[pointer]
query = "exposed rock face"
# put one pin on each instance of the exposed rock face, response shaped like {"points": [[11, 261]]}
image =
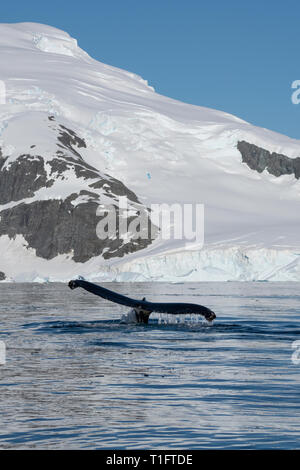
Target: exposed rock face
{"points": [[2, 276], [276, 164], [22, 178], [54, 225]]}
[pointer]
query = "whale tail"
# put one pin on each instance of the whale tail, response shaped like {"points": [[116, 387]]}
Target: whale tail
{"points": [[143, 308]]}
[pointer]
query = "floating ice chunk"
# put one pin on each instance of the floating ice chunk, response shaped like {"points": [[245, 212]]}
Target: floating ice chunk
{"points": [[41, 280]]}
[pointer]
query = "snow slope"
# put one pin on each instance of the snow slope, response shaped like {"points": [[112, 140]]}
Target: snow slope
{"points": [[163, 150]]}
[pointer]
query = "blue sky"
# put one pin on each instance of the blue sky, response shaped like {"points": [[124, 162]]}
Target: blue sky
{"points": [[237, 56]]}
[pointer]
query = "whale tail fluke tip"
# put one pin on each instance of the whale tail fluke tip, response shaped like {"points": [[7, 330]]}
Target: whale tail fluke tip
{"points": [[73, 284], [211, 316]]}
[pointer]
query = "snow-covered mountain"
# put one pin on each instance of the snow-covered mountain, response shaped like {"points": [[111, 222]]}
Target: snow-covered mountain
{"points": [[75, 133]]}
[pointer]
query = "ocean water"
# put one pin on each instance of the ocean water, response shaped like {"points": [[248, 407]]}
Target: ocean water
{"points": [[75, 377]]}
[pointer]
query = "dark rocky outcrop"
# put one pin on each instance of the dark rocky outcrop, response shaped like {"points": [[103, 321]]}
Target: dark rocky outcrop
{"points": [[276, 164], [21, 178], [2, 276], [54, 226], [68, 140]]}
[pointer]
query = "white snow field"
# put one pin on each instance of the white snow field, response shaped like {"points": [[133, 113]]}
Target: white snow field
{"points": [[163, 150]]}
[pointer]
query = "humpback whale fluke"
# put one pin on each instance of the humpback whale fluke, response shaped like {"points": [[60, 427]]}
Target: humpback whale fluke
{"points": [[143, 308]]}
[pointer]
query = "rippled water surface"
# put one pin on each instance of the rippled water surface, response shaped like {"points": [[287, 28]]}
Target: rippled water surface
{"points": [[76, 377]]}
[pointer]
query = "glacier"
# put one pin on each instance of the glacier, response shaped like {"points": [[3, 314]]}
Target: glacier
{"points": [[130, 131]]}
